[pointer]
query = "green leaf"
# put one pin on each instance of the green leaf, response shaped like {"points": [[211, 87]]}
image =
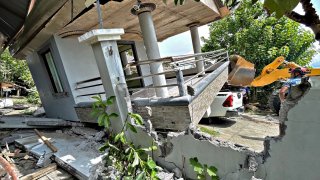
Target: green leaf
{"points": [[141, 176], [96, 98], [280, 7], [113, 147], [197, 167], [104, 147], [118, 136], [131, 127], [254, 1], [128, 178], [110, 100], [154, 174], [123, 139], [101, 119], [153, 148], [137, 118], [212, 171], [106, 121], [130, 156], [113, 115], [136, 159], [201, 176], [151, 164]]}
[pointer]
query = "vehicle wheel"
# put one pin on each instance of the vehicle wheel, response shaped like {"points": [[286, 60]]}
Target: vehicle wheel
{"points": [[274, 103]]}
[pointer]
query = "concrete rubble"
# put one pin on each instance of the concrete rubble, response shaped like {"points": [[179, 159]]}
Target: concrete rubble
{"points": [[78, 154]]}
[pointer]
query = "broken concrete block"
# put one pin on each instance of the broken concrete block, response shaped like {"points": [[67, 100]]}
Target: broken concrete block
{"points": [[177, 172], [5, 111], [59, 131], [9, 139], [20, 107], [165, 176], [39, 112], [5, 103], [99, 136], [148, 125], [166, 148], [44, 160]]}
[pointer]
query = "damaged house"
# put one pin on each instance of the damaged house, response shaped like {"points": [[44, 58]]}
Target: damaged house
{"points": [[78, 49]]}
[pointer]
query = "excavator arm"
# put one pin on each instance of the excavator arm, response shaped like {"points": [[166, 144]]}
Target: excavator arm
{"points": [[241, 73]]}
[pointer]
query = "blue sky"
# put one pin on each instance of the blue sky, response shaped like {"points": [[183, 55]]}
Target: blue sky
{"points": [[181, 43]]}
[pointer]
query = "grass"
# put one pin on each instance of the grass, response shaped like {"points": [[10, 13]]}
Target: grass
{"points": [[20, 100], [209, 131], [28, 112]]}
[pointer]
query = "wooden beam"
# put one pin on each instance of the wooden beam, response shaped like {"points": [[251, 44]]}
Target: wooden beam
{"points": [[46, 141], [40, 172]]}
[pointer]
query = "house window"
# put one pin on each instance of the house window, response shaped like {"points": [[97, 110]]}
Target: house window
{"points": [[52, 70]]}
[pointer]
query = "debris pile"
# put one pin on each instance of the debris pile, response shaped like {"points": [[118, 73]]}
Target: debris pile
{"points": [[32, 154]]}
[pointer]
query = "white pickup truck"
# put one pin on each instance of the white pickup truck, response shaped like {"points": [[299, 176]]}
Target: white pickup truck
{"points": [[227, 103]]}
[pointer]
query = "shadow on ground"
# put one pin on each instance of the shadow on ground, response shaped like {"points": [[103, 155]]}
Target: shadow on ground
{"points": [[218, 122]]}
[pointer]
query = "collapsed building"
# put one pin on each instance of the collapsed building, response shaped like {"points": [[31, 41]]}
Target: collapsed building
{"points": [[71, 58]]}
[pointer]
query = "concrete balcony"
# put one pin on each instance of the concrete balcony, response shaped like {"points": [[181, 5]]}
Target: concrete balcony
{"points": [[190, 92]]}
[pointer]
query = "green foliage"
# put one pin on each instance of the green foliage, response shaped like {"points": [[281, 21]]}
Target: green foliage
{"points": [[33, 97], [251, 33], [203, 170], [131, 161], [280, 7], [13, 70]]}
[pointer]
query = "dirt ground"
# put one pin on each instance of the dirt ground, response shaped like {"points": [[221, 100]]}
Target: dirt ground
{"points": [[247, 130]]}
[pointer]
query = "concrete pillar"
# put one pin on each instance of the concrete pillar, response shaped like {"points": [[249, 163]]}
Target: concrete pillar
{"points": [[151, 44], [105, 48], [196, 45], [142, 56], [127, 69]]}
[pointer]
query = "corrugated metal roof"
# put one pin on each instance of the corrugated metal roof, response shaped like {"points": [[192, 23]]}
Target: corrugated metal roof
{"points": [[12, 17]]}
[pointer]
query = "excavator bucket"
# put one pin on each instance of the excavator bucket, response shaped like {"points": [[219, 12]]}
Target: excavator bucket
{"points": [[242, 72]]}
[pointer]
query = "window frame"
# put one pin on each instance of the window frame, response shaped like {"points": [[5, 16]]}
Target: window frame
{"points": [[58, 92]]}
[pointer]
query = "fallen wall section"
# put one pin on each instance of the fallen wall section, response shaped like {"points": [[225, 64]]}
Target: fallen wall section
{"points": [[296, 154]]}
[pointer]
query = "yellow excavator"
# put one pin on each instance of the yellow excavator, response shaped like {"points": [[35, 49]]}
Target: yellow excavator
{"points": [[242, 73]]}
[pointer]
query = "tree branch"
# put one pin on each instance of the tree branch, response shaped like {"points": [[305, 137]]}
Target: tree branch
{"points": [[296, 17], [310, 19]]}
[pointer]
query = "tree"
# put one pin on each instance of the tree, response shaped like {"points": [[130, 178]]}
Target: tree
{"points": [[284, 7], [13, 70], [251, 33]]}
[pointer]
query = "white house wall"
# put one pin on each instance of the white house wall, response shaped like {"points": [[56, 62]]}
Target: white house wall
{"points": [[296, 155], [79, 64], [55, 107]]}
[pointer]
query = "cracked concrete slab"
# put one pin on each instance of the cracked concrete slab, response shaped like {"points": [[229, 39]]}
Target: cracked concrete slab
{"points": [[76, 154]]}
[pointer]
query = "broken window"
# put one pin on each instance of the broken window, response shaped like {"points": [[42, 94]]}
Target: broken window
{"points": [[52, 70]]}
